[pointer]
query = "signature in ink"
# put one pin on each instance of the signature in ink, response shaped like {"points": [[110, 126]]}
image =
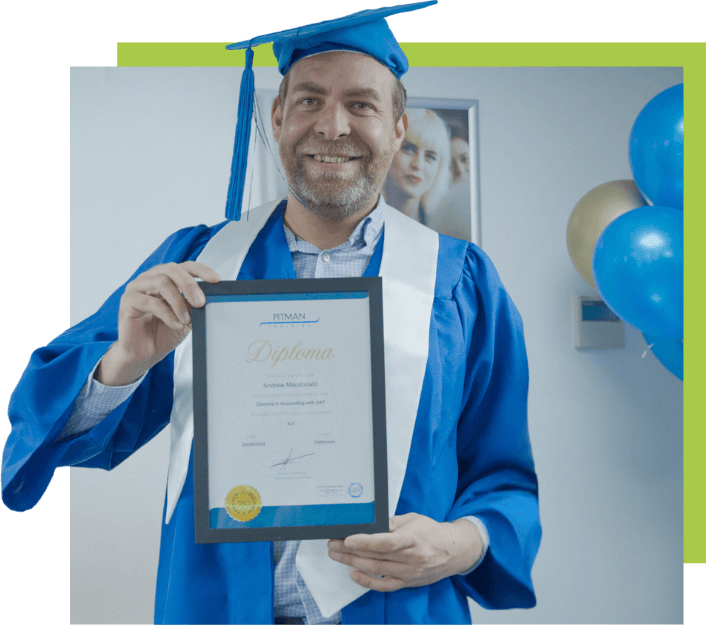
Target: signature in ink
{"points": [[283, 465]]}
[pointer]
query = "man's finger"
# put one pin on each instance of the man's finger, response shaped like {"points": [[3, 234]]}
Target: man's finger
{"points": [[397, 522], [159, 286], [372, 566], [199, 270], [381, 584], [339, 547], [379, 543], [184, 280], [148, 304]]}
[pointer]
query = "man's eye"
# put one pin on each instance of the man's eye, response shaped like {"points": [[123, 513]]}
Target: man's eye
{"points": [[361, 106], [307, 101]]}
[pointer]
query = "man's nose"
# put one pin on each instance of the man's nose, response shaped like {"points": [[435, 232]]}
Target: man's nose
{"points": [[333, 123]]}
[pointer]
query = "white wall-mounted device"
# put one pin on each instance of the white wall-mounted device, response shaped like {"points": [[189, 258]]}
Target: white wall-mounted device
{"points": [[595, 325]]}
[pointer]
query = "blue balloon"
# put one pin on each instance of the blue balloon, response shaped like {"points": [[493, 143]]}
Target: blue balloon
{"points": [[638, 267], [669, 352], [657, 149]]}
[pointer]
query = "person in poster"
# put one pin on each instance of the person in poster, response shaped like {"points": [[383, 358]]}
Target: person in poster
{"points": [[419, 175], [453, 214]]}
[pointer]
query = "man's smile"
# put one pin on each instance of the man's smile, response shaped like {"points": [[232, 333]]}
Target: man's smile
{"points": [[332, 159]]}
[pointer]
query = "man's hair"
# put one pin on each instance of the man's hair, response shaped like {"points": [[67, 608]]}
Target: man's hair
{"points": [[399, 96]]}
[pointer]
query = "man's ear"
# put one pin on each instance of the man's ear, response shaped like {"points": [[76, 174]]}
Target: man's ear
{"points": [[277, 116], [400, 131]]}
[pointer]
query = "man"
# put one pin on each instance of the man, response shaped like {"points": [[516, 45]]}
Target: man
{"points": [[456, 368]]}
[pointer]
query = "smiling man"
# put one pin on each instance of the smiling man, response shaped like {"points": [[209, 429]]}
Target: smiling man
{"points": [[461, 474], [337, 131]]}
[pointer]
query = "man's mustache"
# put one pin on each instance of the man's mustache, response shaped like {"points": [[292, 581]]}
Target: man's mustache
{"points": [[340, 147]]}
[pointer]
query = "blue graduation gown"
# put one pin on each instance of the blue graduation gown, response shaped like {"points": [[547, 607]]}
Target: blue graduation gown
{"points": [[470, 451]]}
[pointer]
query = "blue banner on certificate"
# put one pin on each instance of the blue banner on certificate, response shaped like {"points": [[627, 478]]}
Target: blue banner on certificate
{"points": [[289, 410]]}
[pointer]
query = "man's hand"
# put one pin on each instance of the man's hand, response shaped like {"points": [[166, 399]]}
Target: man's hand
{"points": [[154, 317], [417, 551]]}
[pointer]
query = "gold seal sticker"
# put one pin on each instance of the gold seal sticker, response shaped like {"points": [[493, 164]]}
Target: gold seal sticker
{"points": [[243, 503]]}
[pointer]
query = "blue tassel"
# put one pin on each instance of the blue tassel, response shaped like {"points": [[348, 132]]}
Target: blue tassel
{"points": [[242, 140]]}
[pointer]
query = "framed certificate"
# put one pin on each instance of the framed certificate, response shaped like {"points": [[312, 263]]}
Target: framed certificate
{"points": [[289, 410]]}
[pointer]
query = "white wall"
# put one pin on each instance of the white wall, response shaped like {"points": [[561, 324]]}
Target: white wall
{"points": [[151, 153]]}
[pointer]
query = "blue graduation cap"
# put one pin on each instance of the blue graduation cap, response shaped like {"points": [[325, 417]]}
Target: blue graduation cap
{"points": [[366, 32]]}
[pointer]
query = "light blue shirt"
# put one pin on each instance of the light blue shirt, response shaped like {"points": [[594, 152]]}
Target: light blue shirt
{"points": [[350, 259]]}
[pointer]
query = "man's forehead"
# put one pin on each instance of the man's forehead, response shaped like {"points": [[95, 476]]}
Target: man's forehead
{"points": [[347, 71]]}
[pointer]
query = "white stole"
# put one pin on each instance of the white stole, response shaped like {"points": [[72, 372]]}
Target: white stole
{"points": [[408, 270]]}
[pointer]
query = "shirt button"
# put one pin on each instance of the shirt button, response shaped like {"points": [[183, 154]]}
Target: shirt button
{"points": [[326, 257]]}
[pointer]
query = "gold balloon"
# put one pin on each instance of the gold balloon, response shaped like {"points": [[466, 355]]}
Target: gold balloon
{"points": [[591, 216]]}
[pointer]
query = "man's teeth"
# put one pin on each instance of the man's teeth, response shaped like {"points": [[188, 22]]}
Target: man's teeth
{"points": [[331, 159]]}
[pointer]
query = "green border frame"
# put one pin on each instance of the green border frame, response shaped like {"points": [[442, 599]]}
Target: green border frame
{"points": [[690, 56]]}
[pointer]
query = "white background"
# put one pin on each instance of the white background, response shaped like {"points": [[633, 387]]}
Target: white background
{"points": [[236, 385]]}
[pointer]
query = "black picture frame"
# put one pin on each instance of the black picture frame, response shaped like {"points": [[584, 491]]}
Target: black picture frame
{"points": [[204, 533]]}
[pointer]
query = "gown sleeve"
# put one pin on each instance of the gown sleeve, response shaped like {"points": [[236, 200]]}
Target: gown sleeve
{"points": [[497, 482], [44, 398]]}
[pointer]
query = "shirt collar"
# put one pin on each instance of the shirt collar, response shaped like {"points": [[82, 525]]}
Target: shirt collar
{"points": [[366, 232]]}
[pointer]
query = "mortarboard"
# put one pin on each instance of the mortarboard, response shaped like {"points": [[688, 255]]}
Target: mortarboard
{"points": [[366, 32]]}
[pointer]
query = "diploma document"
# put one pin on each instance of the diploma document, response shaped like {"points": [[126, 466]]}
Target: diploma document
{"points": [[289, 410]]}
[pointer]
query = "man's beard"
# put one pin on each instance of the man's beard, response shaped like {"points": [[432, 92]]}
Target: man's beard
{"points": [[334, 196]]}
